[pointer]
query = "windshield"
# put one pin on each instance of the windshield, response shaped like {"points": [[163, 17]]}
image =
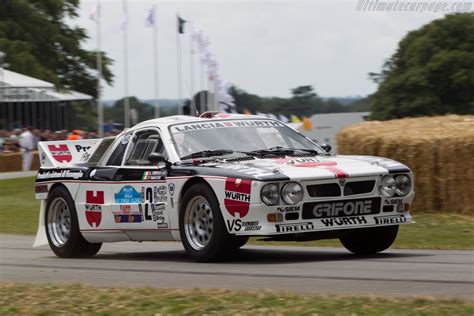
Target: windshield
{"points": [[237, 135]]}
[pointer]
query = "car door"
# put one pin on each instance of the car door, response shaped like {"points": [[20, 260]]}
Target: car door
{"points": [[140, 192]]}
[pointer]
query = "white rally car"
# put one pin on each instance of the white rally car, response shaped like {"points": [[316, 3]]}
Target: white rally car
{"points": [[212, 181]]}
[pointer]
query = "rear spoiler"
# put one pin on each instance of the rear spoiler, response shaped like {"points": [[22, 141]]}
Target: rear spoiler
{"points": [[65, 153]]}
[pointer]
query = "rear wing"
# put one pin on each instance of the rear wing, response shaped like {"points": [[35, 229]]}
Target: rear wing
{"points": [[65, 153]]}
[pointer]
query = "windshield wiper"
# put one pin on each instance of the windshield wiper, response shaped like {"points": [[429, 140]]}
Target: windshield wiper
{"points": [[281, 150], [208, 153]]}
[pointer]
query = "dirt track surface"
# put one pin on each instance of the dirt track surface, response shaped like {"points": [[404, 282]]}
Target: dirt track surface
{"points": [[300, 269]]}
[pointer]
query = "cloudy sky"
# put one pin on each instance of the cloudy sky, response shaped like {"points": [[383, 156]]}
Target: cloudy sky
{"points": [[263, 47]]}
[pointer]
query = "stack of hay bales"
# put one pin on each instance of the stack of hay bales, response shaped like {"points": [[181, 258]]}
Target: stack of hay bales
{"points": [[439, 151], [12, 162]]}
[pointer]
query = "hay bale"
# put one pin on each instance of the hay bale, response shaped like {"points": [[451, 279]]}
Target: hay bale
{"points": [[12, 162], [439, 150]]}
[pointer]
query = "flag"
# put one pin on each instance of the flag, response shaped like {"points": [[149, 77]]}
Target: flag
{"points": [[95, 13], [180, 24], [307, 124], [150, 17], [295, 119], [283, 118]]}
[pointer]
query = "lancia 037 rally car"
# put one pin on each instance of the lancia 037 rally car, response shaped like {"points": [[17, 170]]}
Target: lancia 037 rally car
{"points": [[212, 181]]}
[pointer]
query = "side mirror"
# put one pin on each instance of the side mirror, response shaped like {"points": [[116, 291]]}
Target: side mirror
{"points": [[326, 147], [159, 160]]}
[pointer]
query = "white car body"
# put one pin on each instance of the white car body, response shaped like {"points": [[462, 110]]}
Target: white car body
{"points": [[142, 203]]}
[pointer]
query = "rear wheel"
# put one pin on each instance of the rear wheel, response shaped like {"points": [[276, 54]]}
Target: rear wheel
{"points": [[62, 227], [202, 228], [366, 241]]}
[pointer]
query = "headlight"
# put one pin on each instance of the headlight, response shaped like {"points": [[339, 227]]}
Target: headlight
{"points": [[403, 184], [387, 186], [270, 194], [292, 193]]}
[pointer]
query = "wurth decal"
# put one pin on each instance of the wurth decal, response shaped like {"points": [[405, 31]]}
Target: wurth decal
{"points": [[313, 163], [94, 201], [60, 153], [237, 196]]}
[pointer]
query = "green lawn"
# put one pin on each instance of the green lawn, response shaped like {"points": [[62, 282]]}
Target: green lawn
{"points": [[36, 299], [19, 215]]}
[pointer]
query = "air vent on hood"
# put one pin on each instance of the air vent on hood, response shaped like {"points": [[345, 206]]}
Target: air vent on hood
{"points": [[324, 190], [239, 159]]}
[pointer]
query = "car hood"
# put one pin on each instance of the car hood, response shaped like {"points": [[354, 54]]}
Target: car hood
{"points": [[316, 167]]}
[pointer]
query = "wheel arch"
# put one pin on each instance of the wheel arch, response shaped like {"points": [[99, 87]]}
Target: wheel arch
{"points": [[192, 182]]}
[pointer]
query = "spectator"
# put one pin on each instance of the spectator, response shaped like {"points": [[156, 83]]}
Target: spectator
{"points": [[27, 144], [75, 135]]}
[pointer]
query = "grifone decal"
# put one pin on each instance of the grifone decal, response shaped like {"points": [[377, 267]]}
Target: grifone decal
{"points": [[94, 202], [346, 208], [60, 153], [237, 196]]}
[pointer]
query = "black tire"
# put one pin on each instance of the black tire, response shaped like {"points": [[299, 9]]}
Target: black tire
{"points": [[366, 241], [75, 246], [240, 241], [221, 244]]}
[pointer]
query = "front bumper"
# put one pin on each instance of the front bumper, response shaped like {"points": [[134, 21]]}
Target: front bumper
{"points": [[292, 219]]}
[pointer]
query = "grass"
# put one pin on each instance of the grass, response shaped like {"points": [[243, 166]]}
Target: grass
{"points": [[19, 210], [19, 215], [36, 299]]}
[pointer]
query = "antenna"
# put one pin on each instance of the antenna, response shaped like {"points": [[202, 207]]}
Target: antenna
{"points": [[196, 112]]}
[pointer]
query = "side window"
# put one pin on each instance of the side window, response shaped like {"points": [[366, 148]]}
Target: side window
{"points": [[117, 156], [145, 143]]}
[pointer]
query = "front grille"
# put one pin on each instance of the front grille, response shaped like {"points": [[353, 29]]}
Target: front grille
{"points": [[358, 187], [322, 190]]}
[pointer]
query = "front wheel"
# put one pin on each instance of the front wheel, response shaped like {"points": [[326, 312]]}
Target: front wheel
{"points": [[366, 241], [62, 227], [201, 226]]}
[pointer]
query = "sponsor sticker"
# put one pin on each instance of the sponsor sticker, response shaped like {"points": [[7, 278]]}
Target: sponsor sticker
{"points": [[63, 174], [127, 195], [60, 153], [82, 149], [344, 221], [237, 196], [154, 175], [389, 220], [294, 227], [345, 208], [313, 163], [188, 127], [94, 202], [171, 188], [285, 209], [237, 225]]}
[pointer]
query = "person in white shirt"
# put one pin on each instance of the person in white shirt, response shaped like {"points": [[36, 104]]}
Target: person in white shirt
{"points": [[27, 144]]}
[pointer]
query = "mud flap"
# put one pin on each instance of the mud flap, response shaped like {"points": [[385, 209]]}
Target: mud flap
{"points": [[41, 238]]}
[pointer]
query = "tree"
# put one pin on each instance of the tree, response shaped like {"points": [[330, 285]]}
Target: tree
{"points": [[431, 73], [39, 43]]}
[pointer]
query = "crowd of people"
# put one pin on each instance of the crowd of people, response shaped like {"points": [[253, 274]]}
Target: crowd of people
{"points": [[26, 140]]}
